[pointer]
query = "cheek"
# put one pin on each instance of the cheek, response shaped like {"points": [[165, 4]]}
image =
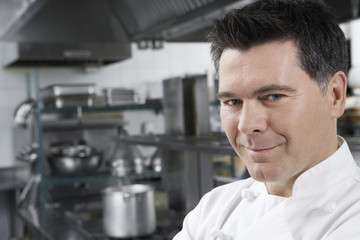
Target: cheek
{"points": [[230, 123], [290, 119]]}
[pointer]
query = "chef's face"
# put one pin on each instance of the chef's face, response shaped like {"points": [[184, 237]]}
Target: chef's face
{"points": [[274, 114]]}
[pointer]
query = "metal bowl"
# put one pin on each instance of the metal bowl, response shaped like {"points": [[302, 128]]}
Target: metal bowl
{"points": [[74, 165]]}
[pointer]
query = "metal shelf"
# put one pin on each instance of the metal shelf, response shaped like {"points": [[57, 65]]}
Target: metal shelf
{"points": [[57, 181], [210, 144], [76, 124], [146, 106]]}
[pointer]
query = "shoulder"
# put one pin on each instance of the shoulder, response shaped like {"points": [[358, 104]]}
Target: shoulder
{"points": [[211, 209]]}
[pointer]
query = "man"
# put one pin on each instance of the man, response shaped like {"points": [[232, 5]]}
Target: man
{"points": [[282, 85]]}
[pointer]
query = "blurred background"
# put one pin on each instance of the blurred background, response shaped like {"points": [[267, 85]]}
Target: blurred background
{"points": [[109, 123]]}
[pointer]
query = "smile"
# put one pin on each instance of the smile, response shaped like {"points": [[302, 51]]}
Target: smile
{"points": [[259, 151]]}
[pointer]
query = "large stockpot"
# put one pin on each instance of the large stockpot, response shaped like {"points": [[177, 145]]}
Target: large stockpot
{"points": [[129, 211]]}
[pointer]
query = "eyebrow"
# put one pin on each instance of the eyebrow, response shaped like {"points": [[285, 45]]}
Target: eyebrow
{"points": [[273, 87], [262, 90]]}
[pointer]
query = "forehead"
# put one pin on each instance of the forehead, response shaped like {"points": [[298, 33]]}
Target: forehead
{"points": [[270, 63]]}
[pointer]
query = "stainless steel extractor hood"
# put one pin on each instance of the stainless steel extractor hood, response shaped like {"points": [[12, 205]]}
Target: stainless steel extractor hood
{"points": [[43, 31], [114, 20], [59, 32], [62, 54]]}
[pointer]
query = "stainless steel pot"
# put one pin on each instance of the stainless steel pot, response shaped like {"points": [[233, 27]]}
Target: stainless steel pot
{"points": [[129, 211]]}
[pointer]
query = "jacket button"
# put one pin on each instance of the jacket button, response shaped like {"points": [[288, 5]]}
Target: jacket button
{"points": [[328, 207], [248, 194]]}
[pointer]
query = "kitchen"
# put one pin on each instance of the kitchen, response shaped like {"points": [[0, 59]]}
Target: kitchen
{"points": [[144, 71]]}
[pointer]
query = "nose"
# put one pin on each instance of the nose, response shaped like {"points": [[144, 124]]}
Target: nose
{"points": [[253, 118]]}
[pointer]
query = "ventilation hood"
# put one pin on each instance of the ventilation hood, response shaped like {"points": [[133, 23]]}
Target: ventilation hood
{"points": [[60, 33], [67, 32], [62, 54], [73, 32]]}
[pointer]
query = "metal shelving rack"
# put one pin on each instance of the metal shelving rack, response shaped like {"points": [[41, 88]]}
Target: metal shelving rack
{"points": [[205, 146], [56, 181]]}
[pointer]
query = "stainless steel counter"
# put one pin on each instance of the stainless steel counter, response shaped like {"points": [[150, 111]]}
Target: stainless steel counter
{"points": [[60, 224], [47, 224], [12, 179]]}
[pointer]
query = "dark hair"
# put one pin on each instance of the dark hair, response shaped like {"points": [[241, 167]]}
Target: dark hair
{"points": [[320, 42]]}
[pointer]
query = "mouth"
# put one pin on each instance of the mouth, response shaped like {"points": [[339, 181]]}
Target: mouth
{"points": [[259, 151]]}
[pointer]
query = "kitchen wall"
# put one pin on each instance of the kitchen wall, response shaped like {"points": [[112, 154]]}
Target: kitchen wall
{"points": [[143, 72]]}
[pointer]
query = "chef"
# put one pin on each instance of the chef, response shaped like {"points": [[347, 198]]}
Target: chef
{"points": [[282, 85]]}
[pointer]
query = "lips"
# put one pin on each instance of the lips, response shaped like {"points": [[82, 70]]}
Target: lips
{"points": [[261, 149], [259, 145], [260, 153]]}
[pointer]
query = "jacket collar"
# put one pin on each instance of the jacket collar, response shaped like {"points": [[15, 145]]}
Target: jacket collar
{"points": [[338, 166]]}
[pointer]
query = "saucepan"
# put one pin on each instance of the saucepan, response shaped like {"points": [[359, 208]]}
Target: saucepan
{"points": [[129, 211]]}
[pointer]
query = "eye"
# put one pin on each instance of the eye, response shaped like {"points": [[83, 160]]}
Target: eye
{"points": [[273, 97], [233, 102]]}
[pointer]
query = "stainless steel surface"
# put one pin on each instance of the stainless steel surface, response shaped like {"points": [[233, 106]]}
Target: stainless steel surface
{"points": [[12, 180], [120, 167], [39, 34], [173, 105], [38, 29], [68, 95], [129, 211], [86, 223], [69, 101], [28, 196], [22, 112], [29, 153], [50, 225], [63, 54], [74, 160], [117, 96], [208, 144], [60, 90], [114, 21], [186, 110], [70, 166], [186, 106]]}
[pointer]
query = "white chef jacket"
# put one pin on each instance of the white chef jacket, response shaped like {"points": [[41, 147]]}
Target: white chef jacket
{"points": [[325, 204]]}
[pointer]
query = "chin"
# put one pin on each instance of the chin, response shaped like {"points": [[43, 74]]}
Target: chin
{"points": [[264, 176]]}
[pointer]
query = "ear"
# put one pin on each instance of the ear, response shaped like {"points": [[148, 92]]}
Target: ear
{"points": [[337, 94]]}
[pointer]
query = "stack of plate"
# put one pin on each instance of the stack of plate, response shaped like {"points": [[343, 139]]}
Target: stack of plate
{"points": [[118, 96], [68, 95]]}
